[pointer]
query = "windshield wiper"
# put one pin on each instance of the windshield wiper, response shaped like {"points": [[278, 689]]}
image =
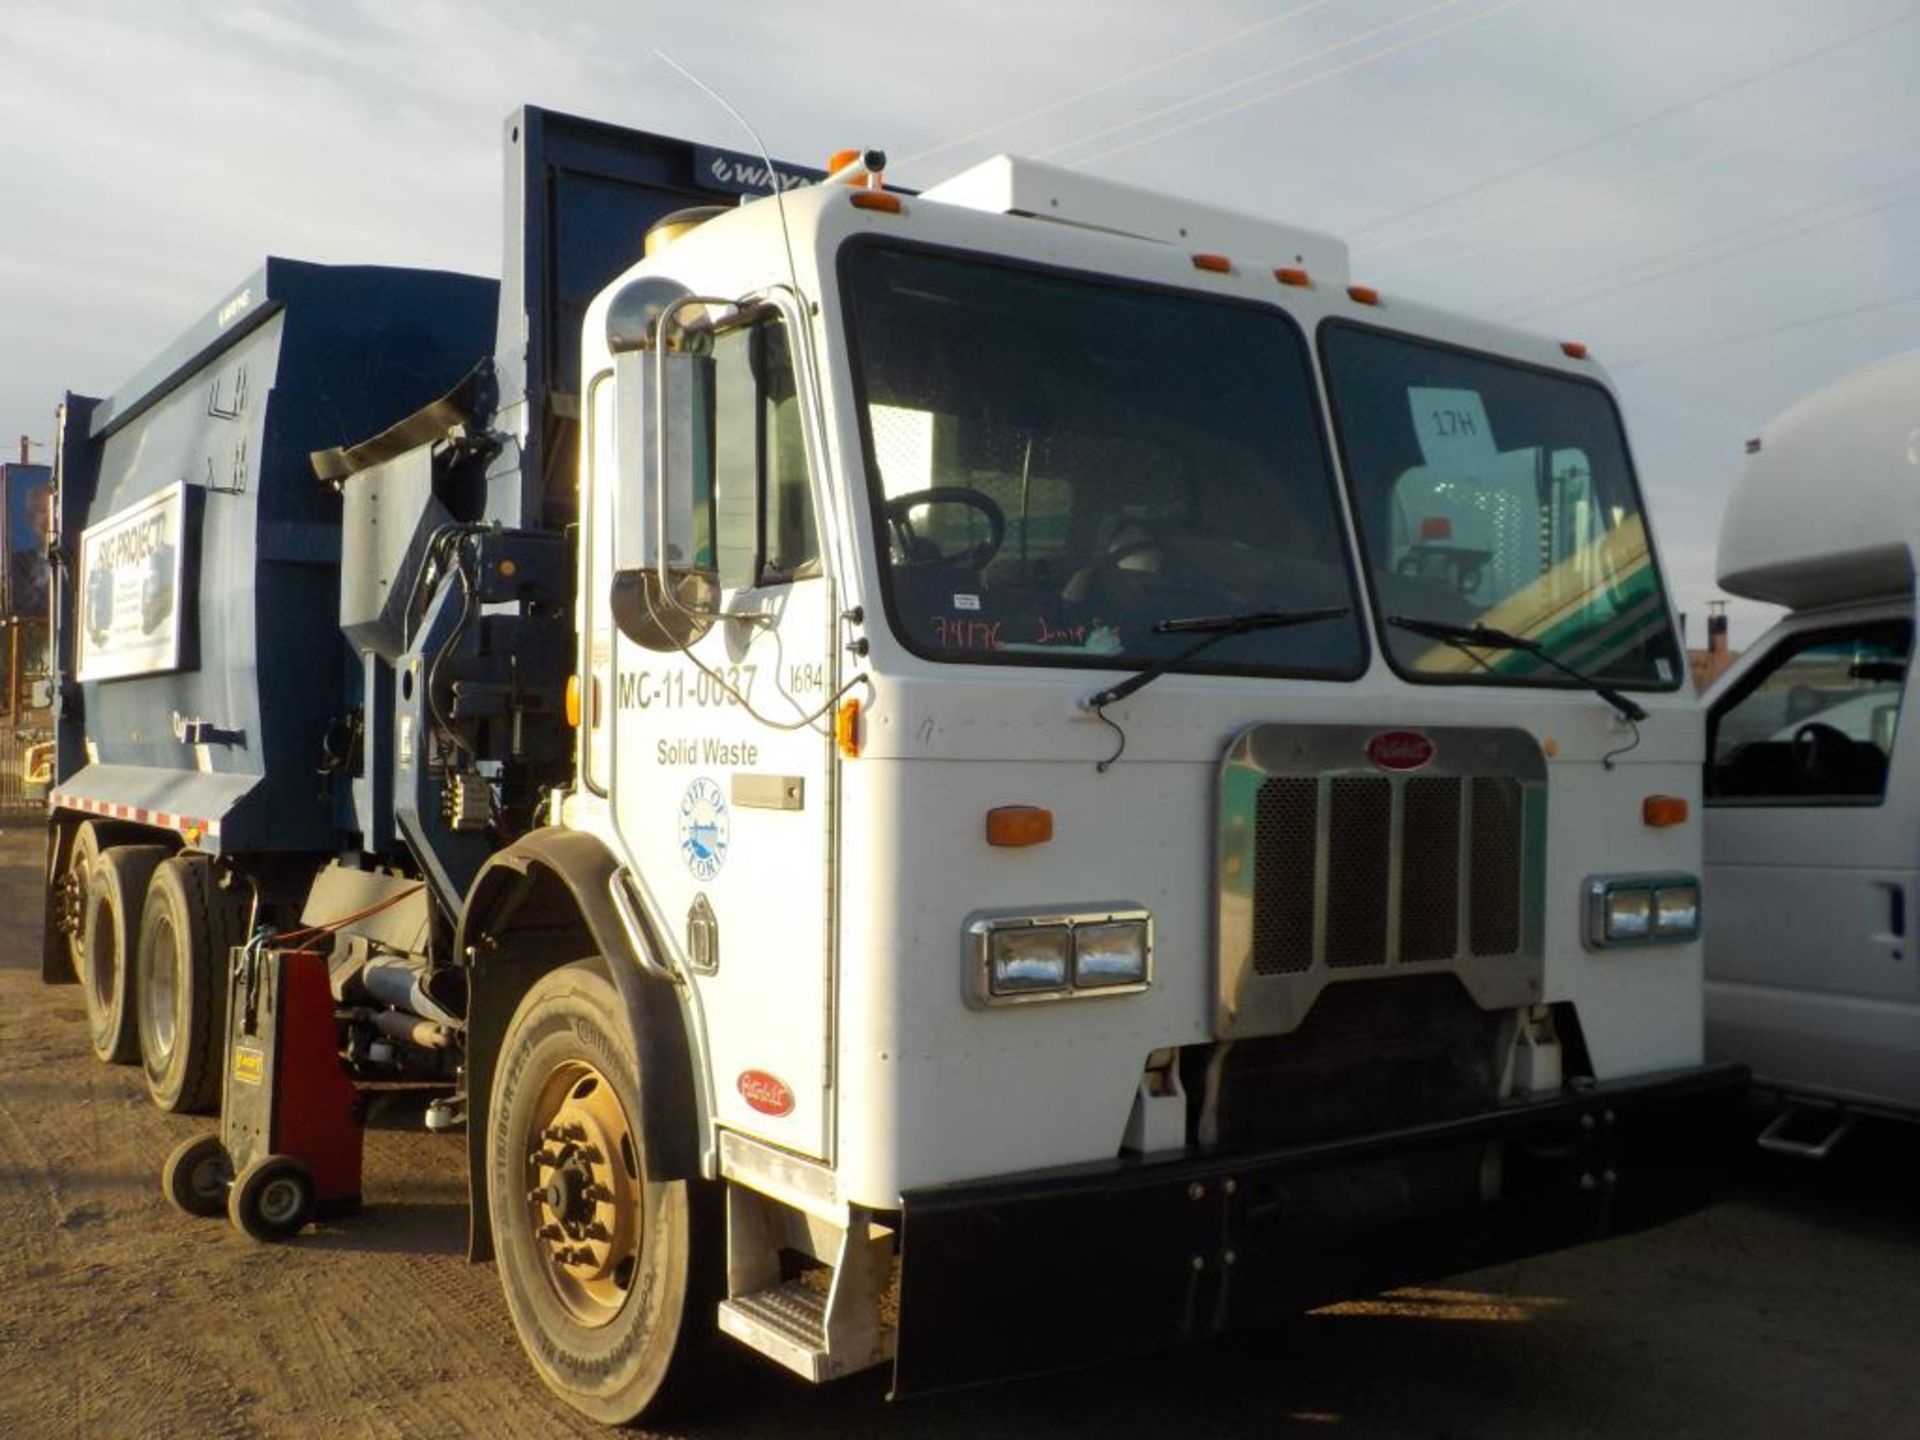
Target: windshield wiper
{"points": [[1461, 637], [1212, 629]]}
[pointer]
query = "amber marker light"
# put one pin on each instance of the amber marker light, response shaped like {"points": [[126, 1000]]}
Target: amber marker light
{"points": [[1661, 811], [1214, 264], [1363, 295], [1573, 349], [1015, 825], [573, 701], [1293, 275], [846, 729], [877, 200]]}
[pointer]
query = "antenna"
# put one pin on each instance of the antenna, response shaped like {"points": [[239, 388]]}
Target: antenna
{"points": [[773, 175]]}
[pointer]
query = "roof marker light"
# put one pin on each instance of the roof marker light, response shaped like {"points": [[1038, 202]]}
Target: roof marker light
{"points": [[1573, 349], [1363, 295], [1292, 275], [1216, 264], [877, 200]]}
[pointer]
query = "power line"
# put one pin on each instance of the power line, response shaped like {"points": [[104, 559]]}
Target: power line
{"points": [[1115, 83], [1876, 199], [1884, 303], [1667, 113], [1253, 79], [1315, 79], [1620, 182]]}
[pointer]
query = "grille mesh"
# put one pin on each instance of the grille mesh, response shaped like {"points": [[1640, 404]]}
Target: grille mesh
{"points": [[1286, 820], [1430, 869], [1436, 876], [1359, 860], [1493, 905]]}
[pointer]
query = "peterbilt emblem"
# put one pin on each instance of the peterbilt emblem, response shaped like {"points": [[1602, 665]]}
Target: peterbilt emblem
{"points": [[766, 1093], [1399, 750]]}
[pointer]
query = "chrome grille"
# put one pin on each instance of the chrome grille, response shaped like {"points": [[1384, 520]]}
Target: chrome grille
{"points": [[1332, 869], [1430, 889], [1359, 858], [1287, 817], [1493, 906]]}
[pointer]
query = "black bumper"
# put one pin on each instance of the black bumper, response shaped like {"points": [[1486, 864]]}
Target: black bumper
{"points": [[1047, 1270]]}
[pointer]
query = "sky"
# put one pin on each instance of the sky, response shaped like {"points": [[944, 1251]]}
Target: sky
{"points": [[1717, 196]]}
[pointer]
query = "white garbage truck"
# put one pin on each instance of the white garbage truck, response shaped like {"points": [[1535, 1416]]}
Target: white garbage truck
{"points": [[974, 780], [1812, 794]]}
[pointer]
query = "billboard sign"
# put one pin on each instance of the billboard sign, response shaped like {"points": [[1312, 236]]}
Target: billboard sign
{"points": [[28, 511], [129, 591]]}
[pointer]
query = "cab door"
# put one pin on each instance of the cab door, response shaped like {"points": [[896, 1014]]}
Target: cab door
{"points": [[1813, 862], [722, 752]]}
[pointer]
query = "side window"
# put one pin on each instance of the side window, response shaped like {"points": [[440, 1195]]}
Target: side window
{"points": [[1817, 724], [764, 531]]}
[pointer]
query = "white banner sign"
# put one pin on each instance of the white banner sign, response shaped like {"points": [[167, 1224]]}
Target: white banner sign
{"points": [[130, 589]]}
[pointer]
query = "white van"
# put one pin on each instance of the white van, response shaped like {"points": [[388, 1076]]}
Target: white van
{"points": [[1812, 795]]}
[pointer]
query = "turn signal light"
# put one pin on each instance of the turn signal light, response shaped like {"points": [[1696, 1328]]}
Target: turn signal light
{"points": [[846, 728], [1660, 811], [1019, 825]]}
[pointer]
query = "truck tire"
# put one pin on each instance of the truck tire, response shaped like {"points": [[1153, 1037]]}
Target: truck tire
{"points": [[187, 926], [71, 884], [116, 889], [611, 1278]]}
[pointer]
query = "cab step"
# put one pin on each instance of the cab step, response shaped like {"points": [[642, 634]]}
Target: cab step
{"points": [[1806, 1132], [786, 1323]]}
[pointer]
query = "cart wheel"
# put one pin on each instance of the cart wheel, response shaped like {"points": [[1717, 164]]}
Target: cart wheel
{"points": [[272, 1198], [196, 1176]]}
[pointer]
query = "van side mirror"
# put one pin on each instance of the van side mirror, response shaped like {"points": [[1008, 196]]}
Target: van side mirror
{"points": [[666, 585]]}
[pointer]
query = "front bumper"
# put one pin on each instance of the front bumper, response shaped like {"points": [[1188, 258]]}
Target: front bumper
{"points": [[1042, 1271]]}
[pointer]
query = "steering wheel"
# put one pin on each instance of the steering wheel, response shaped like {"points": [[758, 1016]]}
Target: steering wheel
{"points": [[1817, 747], [917, 549]]}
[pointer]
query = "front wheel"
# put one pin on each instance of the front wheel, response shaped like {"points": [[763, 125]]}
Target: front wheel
{"points": [[609, 1276]]}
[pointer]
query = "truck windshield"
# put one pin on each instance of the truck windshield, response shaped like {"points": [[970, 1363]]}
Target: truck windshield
{"points": [[1057, 464], [1497, 494]]}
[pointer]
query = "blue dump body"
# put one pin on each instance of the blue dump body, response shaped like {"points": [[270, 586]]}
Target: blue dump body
{"points": [[213, 704], [205, 683]]}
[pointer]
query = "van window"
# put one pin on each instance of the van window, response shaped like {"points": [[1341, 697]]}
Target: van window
{"points": [[1816, 724]]}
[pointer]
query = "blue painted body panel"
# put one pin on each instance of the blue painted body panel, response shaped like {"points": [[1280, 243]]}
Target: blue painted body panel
{"points": [[308, 356]]}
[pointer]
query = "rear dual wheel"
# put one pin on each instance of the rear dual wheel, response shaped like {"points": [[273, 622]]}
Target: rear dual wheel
{"points": [[611, 1277], [115, 889], [187, 926]]}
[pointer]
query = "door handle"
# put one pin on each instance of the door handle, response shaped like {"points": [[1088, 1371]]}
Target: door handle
{"points": [[1897, 910]]}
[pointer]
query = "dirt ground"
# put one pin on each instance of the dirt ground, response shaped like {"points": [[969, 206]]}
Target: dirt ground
{"points": [[1787, 1311]]}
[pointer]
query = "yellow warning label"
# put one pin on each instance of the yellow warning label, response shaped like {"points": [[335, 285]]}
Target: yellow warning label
{"points": [[249, 1064]]}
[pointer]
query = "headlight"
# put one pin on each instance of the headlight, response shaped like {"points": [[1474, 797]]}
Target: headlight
{"points": [[1111, 954], [1032, 958], [1629, 914], [1676, 910], [1628, 910], [1057, 955]]}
